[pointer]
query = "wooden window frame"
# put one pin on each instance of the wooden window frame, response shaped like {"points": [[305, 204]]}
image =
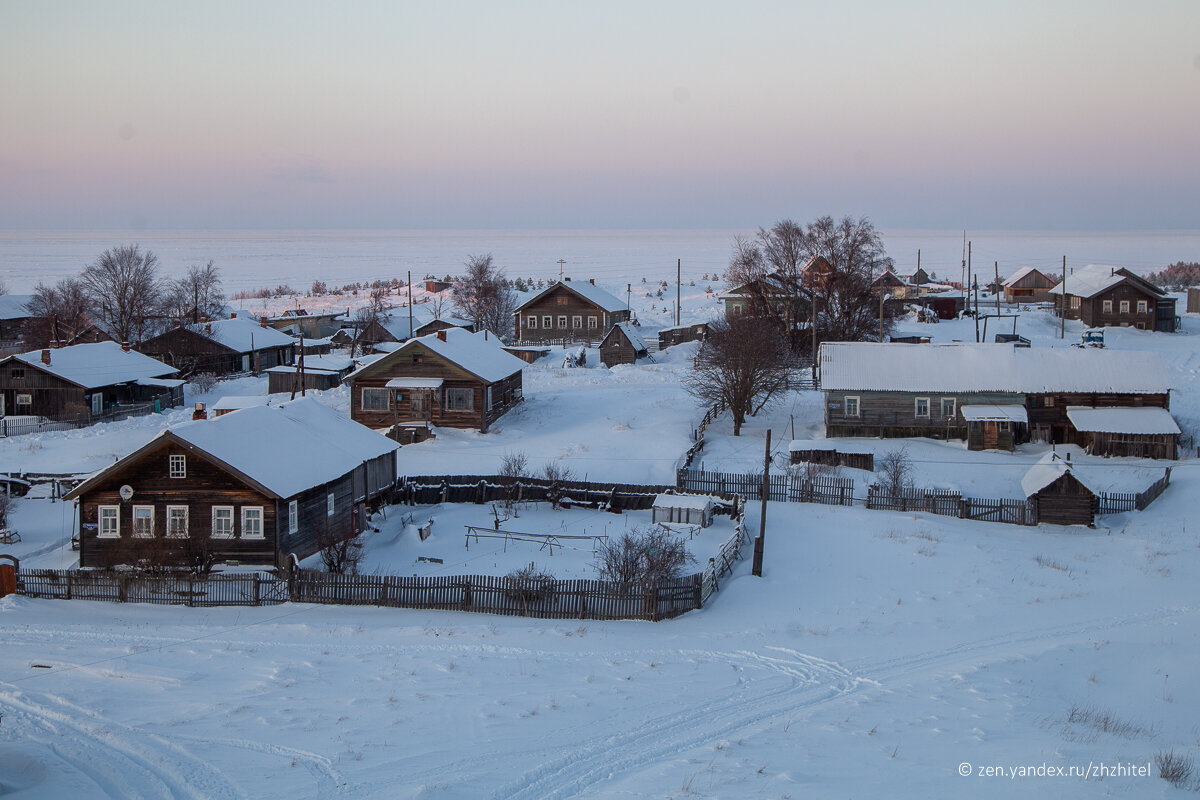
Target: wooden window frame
{"points": [[177, 466], [1106, 306], [247, 511], [917, 407], [293, 516], [953, 401], [171, 518], [592, 323], [139, 513], [1075, 301], [562, 301], [531, 322], [23, 399], [1143, 307], [459, 392], [577, 321], [17, 374], [374, 390], [1124, 306], [562, 322], [115, 531], [547, 321], [846, 401], [330, 504], [215, 517]]}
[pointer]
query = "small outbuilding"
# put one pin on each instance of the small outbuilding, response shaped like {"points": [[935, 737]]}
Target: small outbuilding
{"points": [[1143, 432], [1058, 495], [685, 509], [622, 345], [318, 372], [669, 337]]}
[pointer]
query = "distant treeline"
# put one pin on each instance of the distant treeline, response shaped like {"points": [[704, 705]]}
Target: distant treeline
{"points": [[1179, 275]]}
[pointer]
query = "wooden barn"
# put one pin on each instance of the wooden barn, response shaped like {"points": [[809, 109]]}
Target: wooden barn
{"points": [[1109, 297], [316, 372], [568, 311], [1059, 496], [669, 337], [222, 347], [453, 378], [96, 380], [623, 344], [1027, 285], [684, 509], [991, 395], [1145, 432], [14, 319], [256, 486]]}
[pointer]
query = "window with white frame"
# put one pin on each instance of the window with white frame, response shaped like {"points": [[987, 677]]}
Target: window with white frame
{"points": [[592, 323], [547, 321], [851, 404], [921, 407], [375, 398], [458, 399], [293, 516], [1106, 306], [1143, 306], [949, 406], [1124, 306], [252, 522], [143, 522], [562, 321], [24, 400], [577, 322], [222, 522], [109, 522], [177, 522], [330, 504], [531, 322], [177, 466]]}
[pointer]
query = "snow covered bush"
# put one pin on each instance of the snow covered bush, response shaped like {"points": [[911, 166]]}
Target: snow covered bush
{"points": [[204, 382], [642, 556], [895, 472], [529, 584]]}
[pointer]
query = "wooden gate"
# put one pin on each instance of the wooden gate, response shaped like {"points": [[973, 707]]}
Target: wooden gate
{"points": [[8, 574]]}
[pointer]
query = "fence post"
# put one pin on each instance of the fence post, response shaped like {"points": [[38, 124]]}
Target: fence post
{"points": [[70, 585], [255, 593], [466, 599], [122, 588]]}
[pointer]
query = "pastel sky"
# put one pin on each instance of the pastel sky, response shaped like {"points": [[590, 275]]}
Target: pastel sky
{"points": [[646, 114]]}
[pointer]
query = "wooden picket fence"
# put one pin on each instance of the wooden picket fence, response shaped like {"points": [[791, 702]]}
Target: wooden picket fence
{"points": [[825, 489]]}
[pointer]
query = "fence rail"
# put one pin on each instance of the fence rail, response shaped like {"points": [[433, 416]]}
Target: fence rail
{"points": [[24, 425]]}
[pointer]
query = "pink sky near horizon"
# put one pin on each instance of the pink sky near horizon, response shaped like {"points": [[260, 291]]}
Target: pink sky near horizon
{"points": [[544, 115]]}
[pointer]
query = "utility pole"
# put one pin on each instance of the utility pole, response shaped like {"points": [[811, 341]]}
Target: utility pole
{"points": [[410, 319], [996, 286], [1062, 304], [762, 520], [881, 313], [976, 309], [628, 291], [560, 268], [678, 272], [962, 278]]}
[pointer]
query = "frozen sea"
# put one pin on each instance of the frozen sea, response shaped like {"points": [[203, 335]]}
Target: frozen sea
{"points": [[254, 258]]}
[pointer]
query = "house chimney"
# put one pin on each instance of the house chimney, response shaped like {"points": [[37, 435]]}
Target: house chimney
{"points": [[199, 413], [46, 356], [54, 344], [592, 281], [125, 346], [208, 328], [233, 315], [262, 321], [441, 335]]}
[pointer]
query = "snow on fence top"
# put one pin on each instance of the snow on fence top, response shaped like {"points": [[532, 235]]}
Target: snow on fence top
{"points": [[97, 364], [870, 366], [1145, 420]]}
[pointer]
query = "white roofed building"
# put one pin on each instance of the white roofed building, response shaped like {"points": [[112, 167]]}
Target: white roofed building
{"points": [[1102, 296], [452, 378], [994, 396], [222, 347], [569, 311]]}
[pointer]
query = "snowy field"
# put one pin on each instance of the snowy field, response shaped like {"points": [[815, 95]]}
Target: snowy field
{"points": [[879, 652]]}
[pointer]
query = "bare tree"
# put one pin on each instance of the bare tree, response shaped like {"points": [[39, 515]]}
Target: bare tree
{"points": [[125, 290], [743, 365], [895, 472], [640, 556], [367, 317], [197, 296], [59, 313], [3, 287], [481, 296]]}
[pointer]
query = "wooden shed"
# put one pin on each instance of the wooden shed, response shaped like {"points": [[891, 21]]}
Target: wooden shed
{"points": [[1058, 495], [669, 337], [222, 347], [622, 345], [319, 372], [684, 509], [1142, 432], [1027, 285]]}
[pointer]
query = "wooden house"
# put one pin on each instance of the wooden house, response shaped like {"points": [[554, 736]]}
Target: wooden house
{"points": [[1109, 297], [623, 344], [300, 322], [453, 378], [399, 325], [14, 319], [85, 380], [1027, 285], [890, 284], [669, 337], [568, 311], [683, 509], [433, 286], [771, 294], [257, 486], [1058, 495], [994, 396], [319, 372], [1145, 432], [222, 347]]}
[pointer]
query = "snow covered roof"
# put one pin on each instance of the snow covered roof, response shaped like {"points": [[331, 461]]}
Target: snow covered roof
{"points": [[12, 306], [285, 451], [1145, 420], [588, 291], [870, 366], [1021, 273], [162, 383], [414, 383], [91, 366], [1096, 278], [983, 412], [242, 335], [233, 402], [396, 322], [696, 501], [632, 334], [480, 354], [1046, 471], [328, 363]]}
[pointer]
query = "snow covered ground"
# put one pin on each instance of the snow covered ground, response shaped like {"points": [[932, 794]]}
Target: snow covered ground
{"points": [[880, 654]]}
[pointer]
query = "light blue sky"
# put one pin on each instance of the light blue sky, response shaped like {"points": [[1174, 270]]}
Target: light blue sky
{"points": [[648, 114]]}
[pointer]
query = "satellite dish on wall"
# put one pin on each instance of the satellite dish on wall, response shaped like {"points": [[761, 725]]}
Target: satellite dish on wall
{"points": [[126, 492]]}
